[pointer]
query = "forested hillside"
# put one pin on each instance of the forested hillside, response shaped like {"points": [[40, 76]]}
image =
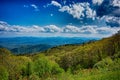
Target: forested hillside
{"points": [[95, 60], [28, 49]]}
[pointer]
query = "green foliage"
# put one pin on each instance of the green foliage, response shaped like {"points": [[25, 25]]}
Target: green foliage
{"points": [[88, 75], [104, 64], [108, 64], [44, 66], [4, 52], [34, 77], [27, 70], [116, 65], [56, 68], [3, 73]]}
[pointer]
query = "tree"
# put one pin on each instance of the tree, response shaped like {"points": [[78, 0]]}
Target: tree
{"points": [[42, 67]]}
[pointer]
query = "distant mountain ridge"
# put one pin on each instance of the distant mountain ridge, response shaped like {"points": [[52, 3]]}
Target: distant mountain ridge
{"points": [[23, 45]]}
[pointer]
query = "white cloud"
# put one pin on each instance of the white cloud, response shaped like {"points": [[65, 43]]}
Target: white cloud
{"points": [[111, 12], [68, 29], [35, 7], [107, 30], [89, 29], [2, 23], [16, 28], [112, 21], [55, 3], [4, 26], [71, 29], [36, 28], [75, 10], [79, 10], [90, 13], [97, 2], [52, 28], [116, 3]]}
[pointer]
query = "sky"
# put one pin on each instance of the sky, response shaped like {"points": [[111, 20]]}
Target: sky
{"points": [[50, 18]]}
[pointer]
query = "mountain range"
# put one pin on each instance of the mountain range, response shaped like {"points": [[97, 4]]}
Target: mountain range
{"points": [[23, 45]]}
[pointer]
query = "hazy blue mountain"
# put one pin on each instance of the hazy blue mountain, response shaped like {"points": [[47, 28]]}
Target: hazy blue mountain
{"points": [[36, 44]]}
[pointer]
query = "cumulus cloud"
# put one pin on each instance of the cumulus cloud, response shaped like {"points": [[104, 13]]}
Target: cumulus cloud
{"points": [[107, 30], [79, 10], [71, 29], [68, 29], [113, 21], [89, 29], [52, 28], [116, 3], [90, 13], [110, 9], [97, 2], [95, 11], [4, 27], [75, 10], [55, 3]]}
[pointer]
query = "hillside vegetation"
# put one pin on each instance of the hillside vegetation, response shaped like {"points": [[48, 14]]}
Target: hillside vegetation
{"points": [[96, 60], [27, 49]]}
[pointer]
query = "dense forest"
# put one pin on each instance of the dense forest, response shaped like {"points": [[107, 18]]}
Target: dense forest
{"points": [[95, 60]]}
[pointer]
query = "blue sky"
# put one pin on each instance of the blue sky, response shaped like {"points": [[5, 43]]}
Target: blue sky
{"points": [[98, 17], [21, 12]]}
